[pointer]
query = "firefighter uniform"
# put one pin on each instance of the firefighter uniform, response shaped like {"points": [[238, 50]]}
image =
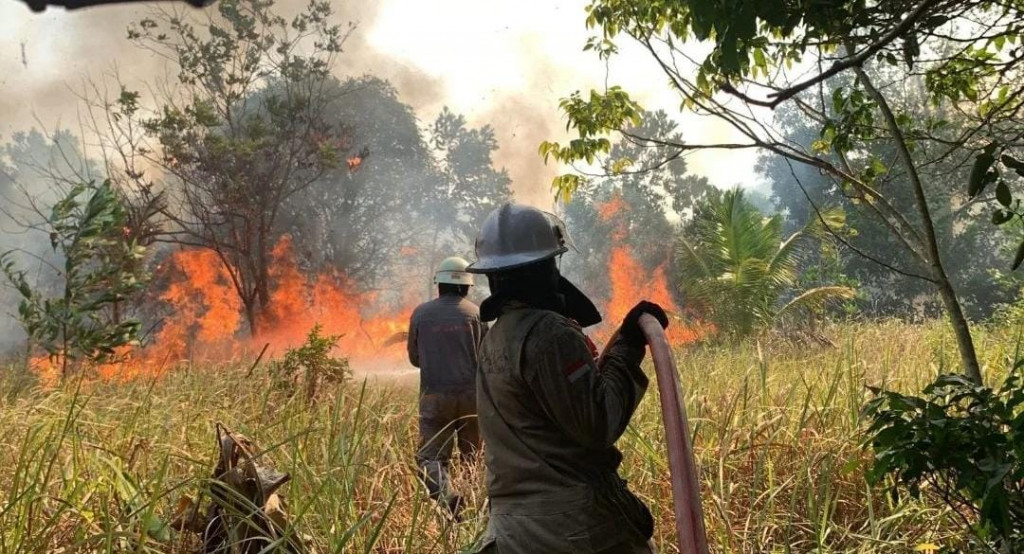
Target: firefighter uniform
{"points": [[550, 417], [444, 340]]}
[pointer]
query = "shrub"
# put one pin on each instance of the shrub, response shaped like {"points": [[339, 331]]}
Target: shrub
{"points": [[960, 442], [314, 362]]}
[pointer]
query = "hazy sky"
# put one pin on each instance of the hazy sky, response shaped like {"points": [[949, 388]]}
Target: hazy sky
{"points": [[498, 62]]}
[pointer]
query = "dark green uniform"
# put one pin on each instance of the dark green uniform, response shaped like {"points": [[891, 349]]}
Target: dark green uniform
{"points": [[550, 419]]}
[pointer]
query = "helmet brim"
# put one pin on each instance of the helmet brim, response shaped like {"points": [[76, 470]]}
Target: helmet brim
{"points": [[494, 264]]}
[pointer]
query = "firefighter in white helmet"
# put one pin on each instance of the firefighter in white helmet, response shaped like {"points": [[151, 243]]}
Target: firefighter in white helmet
{"points": [[444, 342], [549, 411]]}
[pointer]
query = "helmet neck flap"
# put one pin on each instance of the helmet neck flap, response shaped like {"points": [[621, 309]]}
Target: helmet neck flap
{"points": [[538, 285]]}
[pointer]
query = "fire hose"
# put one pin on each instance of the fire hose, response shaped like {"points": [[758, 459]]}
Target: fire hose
{"points": [[681, 466]]}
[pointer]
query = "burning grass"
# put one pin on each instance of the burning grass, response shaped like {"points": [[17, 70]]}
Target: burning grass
{"points": [[205, 323], [101, 467]]}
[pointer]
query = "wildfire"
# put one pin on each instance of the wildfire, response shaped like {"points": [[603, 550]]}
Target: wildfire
{"points": [[356, 161], [206, 324], [630, 282]]}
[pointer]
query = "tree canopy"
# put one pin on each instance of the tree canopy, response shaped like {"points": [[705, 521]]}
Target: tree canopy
{"points": [[737, 61]]}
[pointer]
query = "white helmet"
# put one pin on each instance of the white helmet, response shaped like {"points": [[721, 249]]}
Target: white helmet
{"points": [[452, 271], [514, 235]]}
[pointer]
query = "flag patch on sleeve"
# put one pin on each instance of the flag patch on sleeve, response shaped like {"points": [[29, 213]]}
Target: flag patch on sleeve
{"points": [[576, 369]]}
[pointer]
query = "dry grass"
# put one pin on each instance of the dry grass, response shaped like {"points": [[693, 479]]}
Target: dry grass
{"points": [[777, 436]]}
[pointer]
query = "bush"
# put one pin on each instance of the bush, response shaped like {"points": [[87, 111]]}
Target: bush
{"points": [[313, 361], [960, 442], [96, 262]]}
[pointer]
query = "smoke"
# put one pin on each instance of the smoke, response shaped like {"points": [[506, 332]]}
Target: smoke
{"points": [[45, 59], [521, 123]]}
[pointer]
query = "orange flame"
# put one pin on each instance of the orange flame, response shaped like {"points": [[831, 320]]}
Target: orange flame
{"points": [[206, 323], [631, 282]]}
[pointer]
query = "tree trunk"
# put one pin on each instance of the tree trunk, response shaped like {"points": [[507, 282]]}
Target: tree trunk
{"points": [[261, 273], [961, 328], [251, 315]]}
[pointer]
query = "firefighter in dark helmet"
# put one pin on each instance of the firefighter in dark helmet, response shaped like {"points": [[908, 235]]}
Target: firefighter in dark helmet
{"points": [[549, 412]]}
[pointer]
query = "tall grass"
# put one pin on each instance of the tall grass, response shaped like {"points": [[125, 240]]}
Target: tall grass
{"points": [[100, 467]]}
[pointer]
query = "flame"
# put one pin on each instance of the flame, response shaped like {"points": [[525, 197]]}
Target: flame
{"points": [[205, 321], [612, 208], [298, 303], [354, 162], [630, 282]]}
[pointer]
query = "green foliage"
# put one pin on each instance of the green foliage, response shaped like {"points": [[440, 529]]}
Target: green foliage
{"points": [[997, 164], [851, 125], [246, 130], [734, 267], [960, 442], [592, 118], [312, 362], [635, 205], [98, 271], [963, 57], [470, 186]]}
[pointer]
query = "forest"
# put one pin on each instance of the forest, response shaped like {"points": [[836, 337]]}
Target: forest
{"points": [[230, 254]]}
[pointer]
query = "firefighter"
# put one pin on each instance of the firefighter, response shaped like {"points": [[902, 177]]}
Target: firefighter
{"points": [[444, 342], [549, 411]]}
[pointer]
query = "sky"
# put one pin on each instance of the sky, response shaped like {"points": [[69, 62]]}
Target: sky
{"points": [[501, 63]]}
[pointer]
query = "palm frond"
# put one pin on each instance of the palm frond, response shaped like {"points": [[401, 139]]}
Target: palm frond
{"points": [[815, 299]]}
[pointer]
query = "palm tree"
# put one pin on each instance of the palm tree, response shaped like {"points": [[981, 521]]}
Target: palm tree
{"points": [[734, 268]]}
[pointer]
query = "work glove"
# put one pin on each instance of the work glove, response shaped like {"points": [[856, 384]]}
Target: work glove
{"points": [[630, 330]]}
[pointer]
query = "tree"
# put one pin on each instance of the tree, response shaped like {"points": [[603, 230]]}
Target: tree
{"points": [[637, 207], [971, 247], [97, 269], [761, 55], [471, 187], [244, 132], [354, 221], [734, 268], [36, 169], [418, 197]]}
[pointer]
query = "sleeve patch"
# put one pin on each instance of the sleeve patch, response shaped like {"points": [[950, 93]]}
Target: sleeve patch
{"points": [[576, 369], [592, 347]]}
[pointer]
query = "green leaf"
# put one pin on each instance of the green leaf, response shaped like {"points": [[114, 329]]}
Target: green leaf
{"points": [[1012, 163], [1019, 257], [759, 59], [1003, 195], [976, 183], [911, 49], [1000, 217]]}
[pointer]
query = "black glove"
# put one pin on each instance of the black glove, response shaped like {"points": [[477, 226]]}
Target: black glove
{"points": [[630, 330]]}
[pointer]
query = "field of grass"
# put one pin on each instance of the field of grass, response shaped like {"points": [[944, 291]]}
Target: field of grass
{"points": [[98, 467]]}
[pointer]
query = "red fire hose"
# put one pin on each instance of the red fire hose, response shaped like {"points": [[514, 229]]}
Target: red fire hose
{"points": [[681, 467]]}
